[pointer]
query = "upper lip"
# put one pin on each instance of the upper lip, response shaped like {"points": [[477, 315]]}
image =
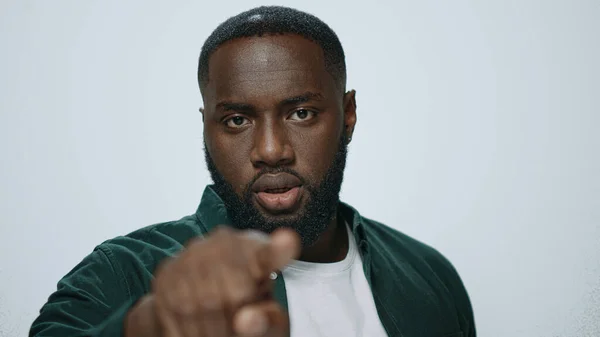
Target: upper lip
{"points": [[275, 181]]}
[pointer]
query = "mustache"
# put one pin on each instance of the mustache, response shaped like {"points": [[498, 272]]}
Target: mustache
{"points": [[272, 170]]}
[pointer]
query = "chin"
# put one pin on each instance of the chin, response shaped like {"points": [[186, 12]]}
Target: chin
{"points": [[282, 218]]}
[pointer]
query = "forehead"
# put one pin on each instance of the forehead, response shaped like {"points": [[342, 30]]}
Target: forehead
{"points": [[267, 67]]}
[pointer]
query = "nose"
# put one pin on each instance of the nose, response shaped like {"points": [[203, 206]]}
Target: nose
{"points": [[271, 146]]}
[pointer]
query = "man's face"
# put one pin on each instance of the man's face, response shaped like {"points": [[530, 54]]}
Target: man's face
{"points": [[276, 126]]}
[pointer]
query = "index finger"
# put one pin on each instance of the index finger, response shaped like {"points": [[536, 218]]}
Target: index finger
{"points": [[278, 249]]}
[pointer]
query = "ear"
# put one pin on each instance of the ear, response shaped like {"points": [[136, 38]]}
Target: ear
{"points": [[201, 109], [349, 113]]}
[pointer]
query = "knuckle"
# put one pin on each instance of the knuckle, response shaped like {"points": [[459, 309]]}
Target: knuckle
{"points": [[180, 299], [210, 303], [184, 308], [240, 293]]}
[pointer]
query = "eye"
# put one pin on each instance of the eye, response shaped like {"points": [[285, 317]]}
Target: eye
{"points": [[236, 121], [302, 115]]}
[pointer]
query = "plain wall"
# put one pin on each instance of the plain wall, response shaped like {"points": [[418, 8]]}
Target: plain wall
{"points": [[477, 133]]}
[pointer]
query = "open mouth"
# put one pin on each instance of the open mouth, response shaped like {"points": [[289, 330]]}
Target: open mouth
{"points": [[282, 201], [277, 190], [278, 193]]}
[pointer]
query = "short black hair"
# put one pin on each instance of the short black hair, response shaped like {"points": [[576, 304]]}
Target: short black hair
{"points": [[265, 20]]}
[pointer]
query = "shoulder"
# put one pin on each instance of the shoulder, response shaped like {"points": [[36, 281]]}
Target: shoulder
{"points": [[428, 262], [144, 247], [147, 246], [410, 249], [165, 235]]}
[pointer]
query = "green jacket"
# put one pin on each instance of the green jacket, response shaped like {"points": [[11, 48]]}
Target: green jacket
{"points": [[416, 290]]}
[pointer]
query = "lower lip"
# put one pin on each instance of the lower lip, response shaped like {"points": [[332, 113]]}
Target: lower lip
{"points": [[279, 202]]}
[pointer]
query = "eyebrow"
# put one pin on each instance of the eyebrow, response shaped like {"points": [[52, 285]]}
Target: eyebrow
{"points": [[230, 106], [303, 98]]}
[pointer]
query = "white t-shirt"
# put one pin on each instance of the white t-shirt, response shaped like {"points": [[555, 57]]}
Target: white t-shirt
{"points": [[331, 299]]}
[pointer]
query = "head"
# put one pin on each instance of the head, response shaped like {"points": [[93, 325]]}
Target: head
{"points": [[277, 119]]}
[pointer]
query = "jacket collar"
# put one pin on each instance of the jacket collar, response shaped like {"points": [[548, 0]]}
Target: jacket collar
{"points": [[211, 212]]}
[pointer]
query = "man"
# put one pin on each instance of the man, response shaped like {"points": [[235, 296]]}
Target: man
{"points": [[271, 251]]}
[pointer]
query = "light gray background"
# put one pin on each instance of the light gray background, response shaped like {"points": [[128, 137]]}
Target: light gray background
{"points": [[477, 133]]}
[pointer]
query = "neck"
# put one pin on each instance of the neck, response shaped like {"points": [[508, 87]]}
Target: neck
{"points": [[332, 245]]}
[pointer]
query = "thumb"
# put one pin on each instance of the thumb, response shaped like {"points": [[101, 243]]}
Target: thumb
{"points": [[262, 319]]}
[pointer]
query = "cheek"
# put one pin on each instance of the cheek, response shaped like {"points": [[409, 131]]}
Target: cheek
{"points": [[232, 160], [316, 149]]}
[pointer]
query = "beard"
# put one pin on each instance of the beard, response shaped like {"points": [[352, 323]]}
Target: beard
{"points": [[309, 222]]}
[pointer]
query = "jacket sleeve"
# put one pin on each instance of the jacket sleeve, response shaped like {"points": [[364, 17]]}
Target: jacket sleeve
{"points": [[462, 302], [463, 305], [91, 300]]}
